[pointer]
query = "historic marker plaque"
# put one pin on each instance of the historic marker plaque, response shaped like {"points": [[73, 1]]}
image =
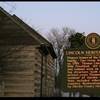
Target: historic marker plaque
{"points": [[83, 66]]}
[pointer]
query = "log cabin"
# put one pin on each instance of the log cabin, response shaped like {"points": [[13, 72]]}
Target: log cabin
{"points": [[27, 60]]}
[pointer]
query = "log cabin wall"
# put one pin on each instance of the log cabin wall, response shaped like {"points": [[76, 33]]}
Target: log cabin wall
{"points": [[51, 76], [20, 70], [48, 76], [48, 81]]}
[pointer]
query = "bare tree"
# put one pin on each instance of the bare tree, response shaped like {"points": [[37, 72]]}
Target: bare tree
{"points": [[59, 40]]}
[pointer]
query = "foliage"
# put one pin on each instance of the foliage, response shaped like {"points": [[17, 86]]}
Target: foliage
{"points": [[77, 40]]}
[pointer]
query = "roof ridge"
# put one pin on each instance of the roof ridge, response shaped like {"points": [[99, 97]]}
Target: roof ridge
{"points": [[30, 28]]}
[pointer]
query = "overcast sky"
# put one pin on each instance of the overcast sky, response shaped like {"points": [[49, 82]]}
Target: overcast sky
{"points": [[81, 16]]}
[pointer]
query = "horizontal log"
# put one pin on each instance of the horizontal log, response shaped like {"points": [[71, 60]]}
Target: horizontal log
{"points": [[19, 91], [21, 55], [18, 79], [19, 67], [19, 82], [28, 72], [17, 60], [14, 63], [14, 94], [25, 48], [10, 27], [18, 76], [19, 88], [10, 84]]}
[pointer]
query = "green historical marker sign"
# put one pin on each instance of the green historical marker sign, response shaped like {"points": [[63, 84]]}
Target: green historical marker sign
{"points": [[83, 67]]}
